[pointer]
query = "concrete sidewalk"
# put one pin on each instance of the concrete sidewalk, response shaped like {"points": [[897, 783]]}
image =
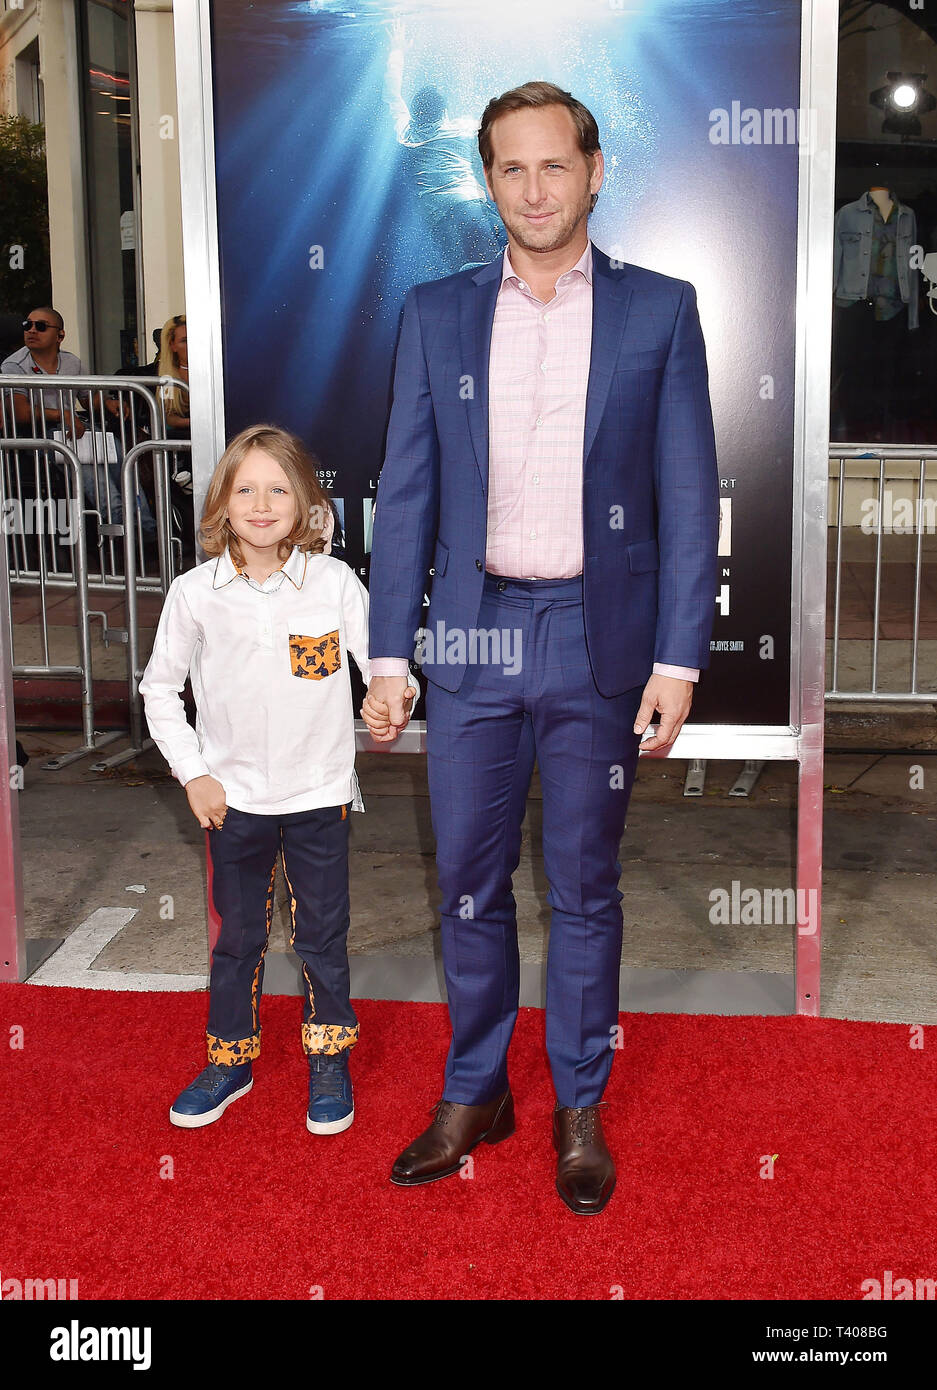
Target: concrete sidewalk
{"points": [[87, 839]]}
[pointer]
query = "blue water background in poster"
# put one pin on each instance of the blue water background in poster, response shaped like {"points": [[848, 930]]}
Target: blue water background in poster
{"points": [[347, 170]]}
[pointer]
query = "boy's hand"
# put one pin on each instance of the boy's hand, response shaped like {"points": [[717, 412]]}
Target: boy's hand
{"points": [[207, 800], [387, 706]]}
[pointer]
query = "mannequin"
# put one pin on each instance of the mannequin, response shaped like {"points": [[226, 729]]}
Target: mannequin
{"points": [[876, 306], [882, 199]]}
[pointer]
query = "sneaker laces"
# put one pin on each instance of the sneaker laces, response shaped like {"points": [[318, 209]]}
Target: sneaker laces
{"points": [[329, 1081], [212, 1077]]}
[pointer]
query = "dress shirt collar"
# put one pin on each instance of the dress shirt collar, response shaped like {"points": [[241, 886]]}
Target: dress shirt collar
{"points": [[294, 567], [582, 267]]}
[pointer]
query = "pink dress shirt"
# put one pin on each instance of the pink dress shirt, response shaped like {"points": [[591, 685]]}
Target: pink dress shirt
{"points": [[538, 376]]}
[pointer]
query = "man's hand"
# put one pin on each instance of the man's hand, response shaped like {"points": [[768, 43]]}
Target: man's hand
{"points": [[387, 706], [670, 696], [74, 423], [208, 802]]}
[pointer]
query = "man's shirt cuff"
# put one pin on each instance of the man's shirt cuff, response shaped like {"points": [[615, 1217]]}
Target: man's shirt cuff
{"points": [[390, 666], [683, 673]]}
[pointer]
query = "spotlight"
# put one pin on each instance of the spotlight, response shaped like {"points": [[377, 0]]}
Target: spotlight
{"points": [[904, 101]]}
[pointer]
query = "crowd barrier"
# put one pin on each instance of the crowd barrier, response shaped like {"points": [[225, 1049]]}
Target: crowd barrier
{"points": [[882, 497], [100, 419], [81, 670], [90, 507]]}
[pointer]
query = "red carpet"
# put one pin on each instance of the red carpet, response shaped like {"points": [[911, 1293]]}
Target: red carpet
{"points": [[259, 1208]]}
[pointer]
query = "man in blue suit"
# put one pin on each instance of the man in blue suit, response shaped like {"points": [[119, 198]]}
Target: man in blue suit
{"points": [[550, 462]]}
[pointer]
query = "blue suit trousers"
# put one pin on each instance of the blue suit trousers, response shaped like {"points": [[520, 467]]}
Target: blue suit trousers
{"points": [[537, 701]]}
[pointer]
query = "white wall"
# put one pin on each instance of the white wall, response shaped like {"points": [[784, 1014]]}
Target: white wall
{"points": [[161, 206]]}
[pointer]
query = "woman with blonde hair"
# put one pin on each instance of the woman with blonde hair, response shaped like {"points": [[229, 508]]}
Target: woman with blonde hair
{"points": [[174, 362]]}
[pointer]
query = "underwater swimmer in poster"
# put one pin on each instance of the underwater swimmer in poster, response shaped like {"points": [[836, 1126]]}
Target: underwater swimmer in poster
{"points": [[451, 198]]}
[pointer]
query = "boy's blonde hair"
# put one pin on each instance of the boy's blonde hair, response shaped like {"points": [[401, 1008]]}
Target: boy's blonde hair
{"points": [[299, 465]]}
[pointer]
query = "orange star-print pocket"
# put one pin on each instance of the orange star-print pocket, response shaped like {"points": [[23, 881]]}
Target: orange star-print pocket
{"points": [[314, 658]]}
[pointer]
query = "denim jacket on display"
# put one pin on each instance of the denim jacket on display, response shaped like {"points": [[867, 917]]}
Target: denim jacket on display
{"points": [[852, 251]]}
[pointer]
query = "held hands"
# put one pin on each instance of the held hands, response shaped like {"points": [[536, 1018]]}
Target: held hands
{"points": [[207, 800], [387, 706], [670, 696]]}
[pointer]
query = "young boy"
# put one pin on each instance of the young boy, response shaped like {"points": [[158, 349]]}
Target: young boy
{"points": [[264, 629]]}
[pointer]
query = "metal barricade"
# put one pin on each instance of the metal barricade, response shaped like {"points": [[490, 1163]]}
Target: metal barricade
{"points": [[134, 666], [117, 413], [883, 491], [78, 476], [82, 670]]}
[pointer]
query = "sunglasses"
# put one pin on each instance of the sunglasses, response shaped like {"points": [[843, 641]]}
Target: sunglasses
{"points": [[40, 325]]}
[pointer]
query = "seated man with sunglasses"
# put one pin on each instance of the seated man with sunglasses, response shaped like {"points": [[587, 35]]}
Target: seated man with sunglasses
{"points": [[43, 332], [43, 354]]}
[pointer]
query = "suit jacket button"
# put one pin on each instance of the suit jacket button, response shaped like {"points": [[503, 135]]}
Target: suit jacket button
{"points": [[478, 564]]}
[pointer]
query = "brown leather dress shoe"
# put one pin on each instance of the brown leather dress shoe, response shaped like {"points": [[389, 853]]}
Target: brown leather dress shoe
{"points": [[585, 1173], [455, 1131]]}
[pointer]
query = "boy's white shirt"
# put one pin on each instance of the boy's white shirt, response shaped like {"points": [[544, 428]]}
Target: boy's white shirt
{"points": [[277, 742]]}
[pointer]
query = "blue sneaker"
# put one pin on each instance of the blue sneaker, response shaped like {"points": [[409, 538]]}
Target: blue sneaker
{"points": [[210, 1094], [331, 1104]]}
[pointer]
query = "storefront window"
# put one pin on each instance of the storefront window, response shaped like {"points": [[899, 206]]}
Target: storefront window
{"points": [[884, 268], [109, 145]]}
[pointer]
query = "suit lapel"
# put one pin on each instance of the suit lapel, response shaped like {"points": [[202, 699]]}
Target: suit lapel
{"points": [[476, 316], [611, 301]]}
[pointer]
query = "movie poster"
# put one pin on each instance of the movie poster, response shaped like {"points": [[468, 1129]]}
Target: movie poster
{"points": [[347, 170]]}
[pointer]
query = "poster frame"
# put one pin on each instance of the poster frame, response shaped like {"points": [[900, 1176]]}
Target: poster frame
{"points": [[801, 740]]}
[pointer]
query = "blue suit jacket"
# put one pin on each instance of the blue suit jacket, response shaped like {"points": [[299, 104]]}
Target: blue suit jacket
{"points": [[650, 496]]}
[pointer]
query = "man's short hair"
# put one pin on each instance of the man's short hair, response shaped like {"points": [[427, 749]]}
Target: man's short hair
{"points": [[52, 313], [534, 94]]}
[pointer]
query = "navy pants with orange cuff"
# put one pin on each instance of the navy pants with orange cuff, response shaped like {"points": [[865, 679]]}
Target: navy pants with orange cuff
{"points": [[313, 847]]}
